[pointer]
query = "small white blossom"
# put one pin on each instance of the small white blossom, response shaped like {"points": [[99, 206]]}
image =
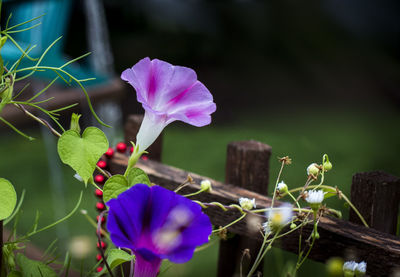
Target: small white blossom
{"points": [[350, 266], [78, 177], [361, 268], [315, 196], [358, 268], [278, 217], [282, 187], [247, 203], [267, 227]]}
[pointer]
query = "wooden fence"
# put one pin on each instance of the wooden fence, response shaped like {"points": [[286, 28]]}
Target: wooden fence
{"points": [[375, 194]]}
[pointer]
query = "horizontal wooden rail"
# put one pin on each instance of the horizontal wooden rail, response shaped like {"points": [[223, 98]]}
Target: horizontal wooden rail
{"points": [[381, 251]]}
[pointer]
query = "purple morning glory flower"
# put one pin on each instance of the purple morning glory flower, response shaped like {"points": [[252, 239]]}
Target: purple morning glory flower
{"points": [[156, 224], [167, 93]]}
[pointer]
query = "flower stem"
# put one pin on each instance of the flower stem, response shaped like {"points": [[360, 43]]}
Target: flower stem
{"points": [[295, 200], [144, 268], [1, 247], [355, 210], [276, 184], [262, 253], [195, 193], [133, 159], [230, 224]]}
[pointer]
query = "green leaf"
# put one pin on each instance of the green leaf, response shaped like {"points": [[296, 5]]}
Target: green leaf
{"points": [[137, 176], [8, 198], [14, 274], [329, 192], [82, 153], [115, 257], [117, 184], [33, 268], [114, 186]]}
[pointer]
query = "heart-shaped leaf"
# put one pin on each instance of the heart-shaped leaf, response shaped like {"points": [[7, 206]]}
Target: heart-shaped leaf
{"points": [[114, 186], [82, 153], [117, 184], [137, 176], [8, 198]]}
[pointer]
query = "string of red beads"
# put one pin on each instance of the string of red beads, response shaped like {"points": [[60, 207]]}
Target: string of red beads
{"points": [[100, 180]]}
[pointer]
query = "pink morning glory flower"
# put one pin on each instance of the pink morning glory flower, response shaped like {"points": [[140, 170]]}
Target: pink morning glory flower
{"points": [[156, 224], [167, 93]]}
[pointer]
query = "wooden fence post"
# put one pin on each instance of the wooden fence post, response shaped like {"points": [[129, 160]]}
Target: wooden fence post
{"points": [[247, 166], [377, 196], [132, 126]]}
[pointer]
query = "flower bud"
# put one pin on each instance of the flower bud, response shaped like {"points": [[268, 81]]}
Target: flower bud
{"points": [[293, 225], [313, 169], [326, 164], [315, 234], [282, 187], [205, 185], [75, 123], [247, 203]]}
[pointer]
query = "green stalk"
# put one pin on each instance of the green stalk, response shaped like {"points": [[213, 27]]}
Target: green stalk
{"points": [[1, 246]]}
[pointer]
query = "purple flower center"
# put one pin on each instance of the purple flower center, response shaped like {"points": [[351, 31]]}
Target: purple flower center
{"points": [[156, 224]]}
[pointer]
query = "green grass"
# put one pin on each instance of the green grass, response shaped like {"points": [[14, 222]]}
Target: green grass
{"points": [[354, 143]]}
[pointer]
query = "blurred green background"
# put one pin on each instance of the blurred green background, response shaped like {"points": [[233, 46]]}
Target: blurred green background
{"points": [[306, 78], [354, 144]]}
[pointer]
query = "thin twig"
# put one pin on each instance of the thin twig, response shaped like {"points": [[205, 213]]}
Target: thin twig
{"points": [[40, 120], [100, 241]]}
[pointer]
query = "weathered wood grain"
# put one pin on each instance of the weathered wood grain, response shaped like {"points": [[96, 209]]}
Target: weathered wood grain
{"points": [[247, 166], [377, 196], [381, 251]]}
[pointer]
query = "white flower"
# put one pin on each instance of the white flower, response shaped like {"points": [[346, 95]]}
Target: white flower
{"points": [[350, 266], [247, 203], [315, 196], [361, 268], [358, 268], [282, 187], [267, 227], [278, 217]]}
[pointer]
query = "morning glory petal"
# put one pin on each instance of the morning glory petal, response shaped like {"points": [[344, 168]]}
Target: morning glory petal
{"points": [[126, 215], [169, 226], [168, 93]]}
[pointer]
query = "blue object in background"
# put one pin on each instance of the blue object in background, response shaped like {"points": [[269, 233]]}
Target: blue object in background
{"points": [[55, 15]]}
